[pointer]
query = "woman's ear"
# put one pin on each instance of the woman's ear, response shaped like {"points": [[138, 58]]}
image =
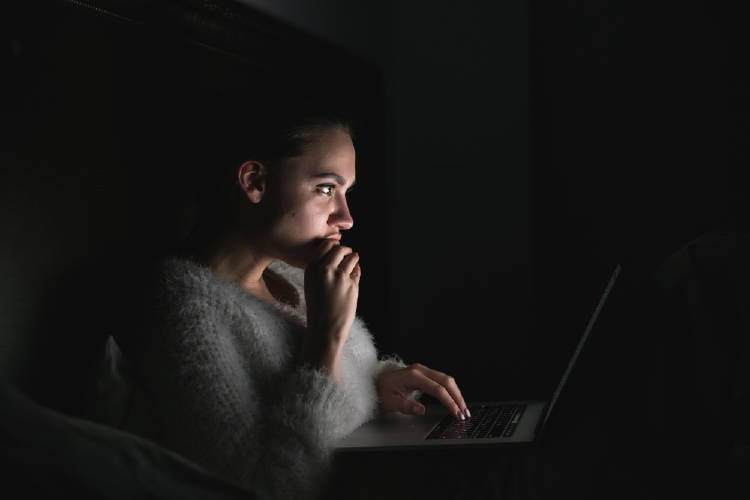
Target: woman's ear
{"points": [[252, 179]]}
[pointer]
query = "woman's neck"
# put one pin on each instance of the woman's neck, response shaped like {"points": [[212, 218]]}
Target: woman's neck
{"points": [[237, 262]]}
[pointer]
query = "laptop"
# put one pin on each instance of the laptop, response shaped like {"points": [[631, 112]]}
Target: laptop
{"points": [[491, 422]]}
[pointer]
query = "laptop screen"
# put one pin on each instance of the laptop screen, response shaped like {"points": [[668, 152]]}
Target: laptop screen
{"points": [[579, 347]]}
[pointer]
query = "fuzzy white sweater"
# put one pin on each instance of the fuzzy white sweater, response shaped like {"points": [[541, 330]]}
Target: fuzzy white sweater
{"points": [[212, 375]]}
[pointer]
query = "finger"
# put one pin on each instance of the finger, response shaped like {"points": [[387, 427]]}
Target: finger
{"points": [[348, 263], [446, 381], [334, 256], [325, 246], [412, 407], [398, 401], [426, 384], [356, 274]]}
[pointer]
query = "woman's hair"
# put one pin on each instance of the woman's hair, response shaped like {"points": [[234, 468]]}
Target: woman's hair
{"points": [[220, 142], [281, 136]]}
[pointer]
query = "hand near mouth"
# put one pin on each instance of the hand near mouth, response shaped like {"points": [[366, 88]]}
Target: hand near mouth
{"points": [[331, 293]]}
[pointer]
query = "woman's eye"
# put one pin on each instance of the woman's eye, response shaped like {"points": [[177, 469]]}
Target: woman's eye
{"points": [[326, 189]]}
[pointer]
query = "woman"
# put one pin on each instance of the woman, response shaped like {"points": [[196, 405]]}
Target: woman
{"points": [[251, 360]]}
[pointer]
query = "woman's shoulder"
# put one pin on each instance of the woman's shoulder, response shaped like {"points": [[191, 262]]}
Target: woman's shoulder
{"points": [[178, 273], [184, 287], [180, 276], [177, 284]]}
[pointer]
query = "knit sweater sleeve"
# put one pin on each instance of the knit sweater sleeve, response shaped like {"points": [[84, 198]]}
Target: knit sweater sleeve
{"points": [[298, 436], [360, 363], [360, 369], [205, 393]]}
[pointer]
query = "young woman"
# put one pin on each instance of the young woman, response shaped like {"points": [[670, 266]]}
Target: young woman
{"points": [[251, 360]]}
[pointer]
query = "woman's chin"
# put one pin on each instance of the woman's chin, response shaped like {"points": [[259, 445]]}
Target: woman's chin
{"points": [[303, 254], [300, 258]]}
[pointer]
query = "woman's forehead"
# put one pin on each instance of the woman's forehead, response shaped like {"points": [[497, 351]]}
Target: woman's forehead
{"points": [[329, 139], [329, 152]]}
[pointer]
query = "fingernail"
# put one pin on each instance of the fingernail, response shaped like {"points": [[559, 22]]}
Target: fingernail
{"points": [[467, 412], [461, 416]]}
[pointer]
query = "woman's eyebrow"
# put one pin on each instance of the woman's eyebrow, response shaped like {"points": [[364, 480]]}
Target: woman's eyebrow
{"points": [[339, 179]]}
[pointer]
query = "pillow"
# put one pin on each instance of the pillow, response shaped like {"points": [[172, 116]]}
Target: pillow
{"points": [[46, 454]]}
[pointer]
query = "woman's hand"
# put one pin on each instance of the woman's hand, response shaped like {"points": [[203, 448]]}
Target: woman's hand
{"points": [[331, 293], [394, 388]]}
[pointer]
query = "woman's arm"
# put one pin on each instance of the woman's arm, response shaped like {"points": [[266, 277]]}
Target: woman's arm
{"points": [[209, 375], [391, 383], [208, 401]]}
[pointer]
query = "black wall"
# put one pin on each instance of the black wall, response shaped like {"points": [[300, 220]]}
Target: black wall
{"points": [[458, 191], [638, 145], [638, 129], [638, 137]]}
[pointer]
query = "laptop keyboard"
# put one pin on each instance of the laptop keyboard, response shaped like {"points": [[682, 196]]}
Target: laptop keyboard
{"points": [[487, 421]]}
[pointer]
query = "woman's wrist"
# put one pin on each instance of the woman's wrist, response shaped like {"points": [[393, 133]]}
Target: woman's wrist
{"points": [[325, 356]]}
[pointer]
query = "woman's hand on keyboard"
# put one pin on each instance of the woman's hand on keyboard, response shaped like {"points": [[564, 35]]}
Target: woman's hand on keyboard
{"points": [[394, 388]]}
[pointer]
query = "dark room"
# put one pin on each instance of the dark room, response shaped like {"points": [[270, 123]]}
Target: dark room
{"points": [[316, 249]]}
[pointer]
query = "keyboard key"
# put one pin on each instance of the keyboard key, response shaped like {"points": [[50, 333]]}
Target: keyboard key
{"points": [[486, 421]]}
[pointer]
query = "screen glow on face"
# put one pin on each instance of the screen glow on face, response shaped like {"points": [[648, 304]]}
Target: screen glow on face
{"points": [[312, 196]]}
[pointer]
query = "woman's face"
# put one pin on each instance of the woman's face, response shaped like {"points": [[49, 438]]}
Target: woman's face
{"points": [[306, 196]]}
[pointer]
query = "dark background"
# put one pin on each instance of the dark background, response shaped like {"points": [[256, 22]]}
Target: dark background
{"points": [[509, 154]]}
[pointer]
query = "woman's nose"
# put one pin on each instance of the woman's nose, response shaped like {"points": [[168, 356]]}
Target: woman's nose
{"points": [[341, 218]]}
